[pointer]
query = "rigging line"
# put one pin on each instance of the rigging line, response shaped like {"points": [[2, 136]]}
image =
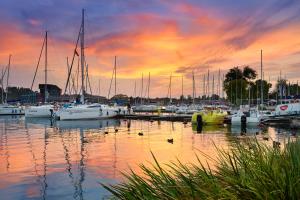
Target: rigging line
{"points": [[68, 67], [37, 66], [88, 80], [74, 54], [3, 74], [111, 80]]}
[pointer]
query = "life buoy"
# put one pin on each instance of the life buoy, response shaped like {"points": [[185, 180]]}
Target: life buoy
{"points": [[283, 108]]}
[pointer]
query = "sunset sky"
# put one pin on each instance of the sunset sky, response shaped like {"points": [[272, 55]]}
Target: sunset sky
{"points": [[156, 36]]}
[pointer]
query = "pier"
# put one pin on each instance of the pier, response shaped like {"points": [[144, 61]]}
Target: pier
{"points": [[149, 117]]}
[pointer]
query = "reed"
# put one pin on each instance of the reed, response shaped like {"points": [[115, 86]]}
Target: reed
{"points": [[249, 170]]}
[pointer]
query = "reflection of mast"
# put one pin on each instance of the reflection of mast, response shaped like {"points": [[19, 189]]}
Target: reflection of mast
{"points": [[69, 164], [6, 148], [81, 164], [45, 185], [115, 156], [33, 155]]}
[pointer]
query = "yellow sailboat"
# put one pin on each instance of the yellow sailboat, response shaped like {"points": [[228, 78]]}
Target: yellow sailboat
{"points": [[209, 117]]}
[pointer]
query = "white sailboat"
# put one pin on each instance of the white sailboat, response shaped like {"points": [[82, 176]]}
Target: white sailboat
{"points": [[84, 111], [252, 116], [43, 110], [6, 109]]}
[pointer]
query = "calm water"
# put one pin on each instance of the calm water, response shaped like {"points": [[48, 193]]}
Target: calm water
{"points": [[68, 159]]}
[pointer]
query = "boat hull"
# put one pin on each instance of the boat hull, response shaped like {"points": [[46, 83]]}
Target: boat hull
{"points": [[11, 111], [86, 113], [210, 117], [39, 111]]}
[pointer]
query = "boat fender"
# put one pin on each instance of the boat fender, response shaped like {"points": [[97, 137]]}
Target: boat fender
{"points": [[243, 119], [199, 120]]}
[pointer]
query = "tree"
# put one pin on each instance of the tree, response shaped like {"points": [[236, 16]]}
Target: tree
{"points": [[255, 89], [284, 89], [236, 83]]}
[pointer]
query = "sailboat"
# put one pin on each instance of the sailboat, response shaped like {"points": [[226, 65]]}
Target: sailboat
{"points": [[6, 109], [253, 116], [84, 111], [122, 110], [45, 110]]}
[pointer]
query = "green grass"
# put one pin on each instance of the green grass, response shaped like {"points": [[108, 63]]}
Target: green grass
{"points": [[250, 170]]}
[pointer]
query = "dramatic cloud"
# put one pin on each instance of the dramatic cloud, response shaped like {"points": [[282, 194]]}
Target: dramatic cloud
{"points": [[160, 37]]}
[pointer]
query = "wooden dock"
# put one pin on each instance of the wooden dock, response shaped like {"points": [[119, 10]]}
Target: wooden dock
{"points": [[173, 118]]}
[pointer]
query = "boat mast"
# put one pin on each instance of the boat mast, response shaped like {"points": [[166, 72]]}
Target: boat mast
{"points": [[222, 86], [115, 75], [213, 85], [219, 84], [2, 87], [134, 92], [204, 88], [182, 90], [171, 88], [208, 84], [82, 59], [142, 88], [149, 88], [46, 66], [8, 68], [193, 87], [261, 76]]}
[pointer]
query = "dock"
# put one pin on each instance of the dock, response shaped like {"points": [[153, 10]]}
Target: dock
{"points": [[149, 117]]}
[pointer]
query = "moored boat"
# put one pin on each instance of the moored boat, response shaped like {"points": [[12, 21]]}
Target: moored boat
{"points": [[209, 117], [6, 109], [85, 111], [40, 111]]}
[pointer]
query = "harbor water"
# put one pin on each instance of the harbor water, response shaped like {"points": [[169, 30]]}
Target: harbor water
{"points": [[44, 159]]}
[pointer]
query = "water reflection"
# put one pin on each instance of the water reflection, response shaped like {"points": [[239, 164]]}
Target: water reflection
{"points": [[44, 159]]}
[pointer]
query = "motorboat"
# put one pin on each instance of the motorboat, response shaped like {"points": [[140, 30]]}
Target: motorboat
{"points": [[145, 108], [171, 108], [209, 117], [6, 109], [43, 111], [86, 111], [253, 116], [188, 109]]}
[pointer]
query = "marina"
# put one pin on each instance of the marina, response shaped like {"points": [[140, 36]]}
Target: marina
{"points": [[157, 100]]}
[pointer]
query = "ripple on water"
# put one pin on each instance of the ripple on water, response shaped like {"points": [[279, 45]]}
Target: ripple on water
{"points": [[67, 160]]}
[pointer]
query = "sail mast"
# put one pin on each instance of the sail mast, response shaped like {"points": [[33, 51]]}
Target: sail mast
{"points": [[142, 88], [149, 88], [261, 77], [193, 87], [115, 75], [46, 66], [2, 87], [82, 58], [182, 89], [8, 68], [171, 88]]}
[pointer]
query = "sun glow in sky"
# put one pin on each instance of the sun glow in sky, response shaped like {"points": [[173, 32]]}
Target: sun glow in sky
{"points": [[156, 36]]}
